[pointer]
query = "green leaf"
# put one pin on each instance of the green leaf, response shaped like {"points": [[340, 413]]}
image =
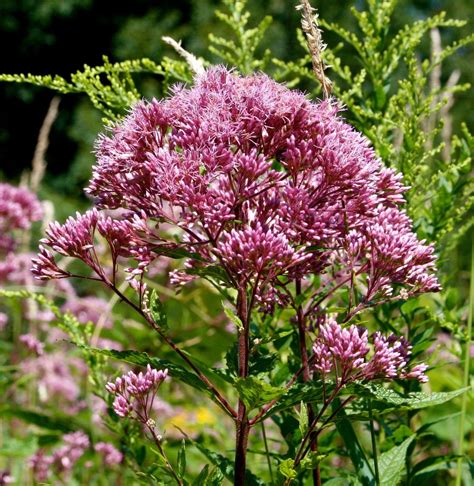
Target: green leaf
{"points": [[286, 469], [255, 392], [140, 455], [176, 371], [392, 463], [414, 401], [176, 252], [232, 316], [202, 476], [182, 459], [354, 448], [303, 418], [312, 460], [211, 272], [432, 464], [261, 361], [20, 448], [142, 359], [226, 466], [157, 310], [232, 360], [349, 481], [300, 392], [64, 424]]}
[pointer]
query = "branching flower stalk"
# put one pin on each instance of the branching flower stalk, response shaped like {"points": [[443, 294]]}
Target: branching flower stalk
{"points": [[134, 397], [263, 189]]}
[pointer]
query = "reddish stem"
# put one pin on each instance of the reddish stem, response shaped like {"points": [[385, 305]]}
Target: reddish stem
{"points": [[222, 401], [242, 422], [306, 375]]}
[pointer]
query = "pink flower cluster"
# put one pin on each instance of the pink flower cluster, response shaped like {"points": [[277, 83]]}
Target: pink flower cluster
{"points": [[58, 376], [32, 343], [344, 352], [63, 459], [136, 392], [89, 309], [111, 456], [256, 179], [18, 209], [6, 478]]}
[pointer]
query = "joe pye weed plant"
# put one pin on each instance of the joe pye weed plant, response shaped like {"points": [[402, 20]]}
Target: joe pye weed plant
{"points": [[310, 233]]}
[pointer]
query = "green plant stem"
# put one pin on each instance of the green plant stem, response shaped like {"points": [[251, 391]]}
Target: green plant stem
{"points": [[157, 442], [269, 462], [374, 443], [467, 364]]}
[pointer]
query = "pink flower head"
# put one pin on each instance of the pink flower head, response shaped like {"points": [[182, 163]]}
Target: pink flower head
{"points": [[136, 392], [345, 352], [253, 178], [18, 209], [76, 238], [257, 252], [111, 456], [6, 478], [3, 321], [88, 309], [56, 376], [63, 459], [32, 344], [41, 465]]}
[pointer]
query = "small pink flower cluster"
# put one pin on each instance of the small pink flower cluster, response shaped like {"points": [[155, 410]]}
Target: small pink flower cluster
{"points": [[344, 353], [63, 459], [6, 478], [32, 344], [18, 209], [111, 456], [58, 377], [136, 392]]}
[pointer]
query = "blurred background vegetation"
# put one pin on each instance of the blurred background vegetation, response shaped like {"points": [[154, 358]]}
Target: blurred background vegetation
{"points": [[60, 36]]}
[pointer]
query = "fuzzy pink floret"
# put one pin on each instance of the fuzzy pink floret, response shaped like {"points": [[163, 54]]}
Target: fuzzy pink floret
{"points": [[351, 354]]}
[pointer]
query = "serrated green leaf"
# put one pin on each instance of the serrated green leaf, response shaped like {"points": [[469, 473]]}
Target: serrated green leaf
{"points": [[392, 463], [215, 478], [354, 448], [182, 459], [232, 316], [303, 418], [176, 252], [306, 392], [178, 372], [286, 469], [157, 310], [225, 465], [414, 401], [255, 392], [202, 476], [142, 359], [259, 362], [49, 422]]}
